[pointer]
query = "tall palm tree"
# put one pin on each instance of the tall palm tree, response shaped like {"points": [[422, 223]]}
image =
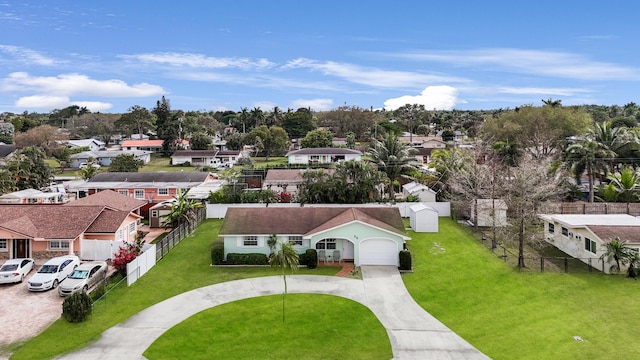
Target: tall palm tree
{"points": [[588, 156], [257, 116], [618, 250], [391, 157], [183, 210], [285, 258]]}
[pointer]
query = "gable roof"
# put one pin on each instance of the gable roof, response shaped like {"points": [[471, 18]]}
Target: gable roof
{"points": [[110, 199], [154, 143], [306, 220], [5, 150], [283, 175], [85, 142], [48, 221], [108, 221], [625, 233], [324, 151], [414, 187]]}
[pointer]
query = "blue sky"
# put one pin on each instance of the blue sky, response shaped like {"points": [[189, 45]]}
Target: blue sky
{"points": [[226, 55]]}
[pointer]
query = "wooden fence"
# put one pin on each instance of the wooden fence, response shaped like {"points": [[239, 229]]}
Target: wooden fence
{"points": [[176, 235]]}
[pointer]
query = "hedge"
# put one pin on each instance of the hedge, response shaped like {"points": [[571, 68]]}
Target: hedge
{"points": [[217, 253], [405, 260], [247, 259]]}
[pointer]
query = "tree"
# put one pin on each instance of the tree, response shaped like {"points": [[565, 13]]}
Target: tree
{"points": [[138, 120], [257, 117], [626, 185], [168, 125], [285, 258], [29, 169], [317, 139], [98, 125], [587, 156], [7, 182], [125, 163], [46, 137], [183, 210], [391, 157], [200, 141], [297, 124], [412, 116], [88, 171], [345, 119], [618, 251], [274, 140]]}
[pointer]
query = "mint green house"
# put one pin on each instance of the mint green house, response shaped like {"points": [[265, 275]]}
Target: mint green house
{"points": [[362, 235]]}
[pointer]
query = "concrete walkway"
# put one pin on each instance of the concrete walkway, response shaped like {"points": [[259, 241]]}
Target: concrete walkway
{"points": [[414, 334]]}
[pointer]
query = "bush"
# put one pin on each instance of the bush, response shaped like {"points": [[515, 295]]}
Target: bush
{"points": [[125, 255], [76, 307], [405, 260], [247, 259], [311, 258], [217, 253]]}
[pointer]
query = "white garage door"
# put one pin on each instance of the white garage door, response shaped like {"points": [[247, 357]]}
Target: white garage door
{"points": [[378, 252]]}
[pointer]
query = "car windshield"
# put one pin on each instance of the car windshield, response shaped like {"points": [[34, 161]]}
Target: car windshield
{"points": [[11, 267], [48, 269], [79, 274]]}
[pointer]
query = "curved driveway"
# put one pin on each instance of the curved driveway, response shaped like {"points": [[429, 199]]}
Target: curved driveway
{"points": [[414, 333]]}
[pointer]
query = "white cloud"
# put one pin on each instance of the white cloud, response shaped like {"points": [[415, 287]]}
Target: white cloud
{"points": [[28, 56], [70, 84], [441, 97], [371, 76], [314, 104], [199, 61], [58, 102], [93, 106]]}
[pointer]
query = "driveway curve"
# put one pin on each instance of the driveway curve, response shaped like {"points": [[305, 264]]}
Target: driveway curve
{"points": [[413, 333]]}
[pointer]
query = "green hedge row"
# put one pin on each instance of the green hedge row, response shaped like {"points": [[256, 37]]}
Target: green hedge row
{"points": [[247, 259]]}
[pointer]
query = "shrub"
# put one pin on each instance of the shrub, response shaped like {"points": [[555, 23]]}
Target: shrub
{"points": [[405, 260], [125, 255], [247, 259], [217, 253], [311, 258], [76, 307]]}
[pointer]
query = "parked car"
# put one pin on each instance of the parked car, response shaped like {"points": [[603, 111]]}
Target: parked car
{"points": [[52, 273], [83, 278], [84, 165], [15, 270]]}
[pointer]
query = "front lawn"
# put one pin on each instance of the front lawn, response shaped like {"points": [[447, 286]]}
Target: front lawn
{"points": [[185, 268], [521, 315]]}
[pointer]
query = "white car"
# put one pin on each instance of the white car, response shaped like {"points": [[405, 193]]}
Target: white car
{"points": [[52, 273], [15, 270], [83, 278]]}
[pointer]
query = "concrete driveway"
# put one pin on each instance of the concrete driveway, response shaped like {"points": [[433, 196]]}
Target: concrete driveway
{"points": [[413, 333]]}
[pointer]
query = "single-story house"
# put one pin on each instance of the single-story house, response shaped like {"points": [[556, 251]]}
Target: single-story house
{"points": [[423, 218], [432, 142], [322, 155], [584, 236], [104, 157], [213, 158], [423, 192], [149, 145], [364, 235], [92, 144], [33, 196], [491, 212]]}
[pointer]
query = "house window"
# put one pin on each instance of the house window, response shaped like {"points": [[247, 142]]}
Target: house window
{"points": [[3, 245], [132, 227], [295, 240], [589, 245], [565, 231], [163, 192], [123, 192], [58, 245], [250, 241], [328, 244], [138, 194], [552, 228], [119, 235]]}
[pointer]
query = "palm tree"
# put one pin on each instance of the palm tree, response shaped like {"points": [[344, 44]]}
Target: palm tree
{"points": [[183, 210], [627, 185], [391, 157], [618, 250], [587, 156], [286, 258]]}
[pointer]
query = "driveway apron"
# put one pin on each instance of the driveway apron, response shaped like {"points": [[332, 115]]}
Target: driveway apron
{"points": [[414, 334]]}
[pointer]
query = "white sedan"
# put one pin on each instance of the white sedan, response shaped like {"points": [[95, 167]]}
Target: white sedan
{"points": [[15, 270], [53, 272]]}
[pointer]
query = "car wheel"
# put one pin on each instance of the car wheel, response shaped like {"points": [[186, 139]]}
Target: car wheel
{"points": [[55, 284], [21, 279]]}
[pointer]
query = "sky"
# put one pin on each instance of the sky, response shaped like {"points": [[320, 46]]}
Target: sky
{"points": [[228, 55]]}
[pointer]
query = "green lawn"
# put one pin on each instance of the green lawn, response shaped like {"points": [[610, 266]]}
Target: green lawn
{"points": [[316, 327], [512, 315], [185, 268], [160, 163]]}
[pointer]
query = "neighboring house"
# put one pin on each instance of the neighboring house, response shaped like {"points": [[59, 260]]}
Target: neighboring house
{"points": [[584, 236], [33, 196], [423, 192], [5, 153], [214, 158], [366, 235], [422, 155], [152, 187], [149, 145], [323, 155], [112, 200], [92, 144], [491, 212], [105, 157], [431, 142], [46, 231], [286, 180]]}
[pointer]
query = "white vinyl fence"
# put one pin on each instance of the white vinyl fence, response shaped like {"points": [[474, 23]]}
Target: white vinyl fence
{"points": [[141, 264], [99, 249]]}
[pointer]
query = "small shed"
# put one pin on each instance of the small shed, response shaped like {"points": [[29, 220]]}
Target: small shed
{"points": [[423, 192], [491, 212], [423, 218]]}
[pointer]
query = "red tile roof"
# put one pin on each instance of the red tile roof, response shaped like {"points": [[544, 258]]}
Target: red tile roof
{"points": [[110, 199], [48, 221]]}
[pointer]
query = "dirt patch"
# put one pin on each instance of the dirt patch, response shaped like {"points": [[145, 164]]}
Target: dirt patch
{"points": [[25, 314]]}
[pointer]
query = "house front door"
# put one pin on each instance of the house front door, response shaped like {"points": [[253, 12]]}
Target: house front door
{"points": [[21, 248], [347, 249]]}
